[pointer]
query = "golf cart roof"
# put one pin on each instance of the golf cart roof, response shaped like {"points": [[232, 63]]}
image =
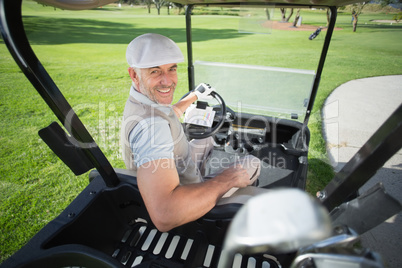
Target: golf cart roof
{"points": [[272, 2], [87, 4]]}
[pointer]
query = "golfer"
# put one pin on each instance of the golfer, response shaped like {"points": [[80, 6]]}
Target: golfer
{"points": [[169, 167]]}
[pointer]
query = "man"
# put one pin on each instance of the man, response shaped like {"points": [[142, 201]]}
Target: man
{"points": [[154, 144]]}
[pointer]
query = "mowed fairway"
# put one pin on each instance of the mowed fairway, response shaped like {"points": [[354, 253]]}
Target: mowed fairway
{"points": [[84, 52]]}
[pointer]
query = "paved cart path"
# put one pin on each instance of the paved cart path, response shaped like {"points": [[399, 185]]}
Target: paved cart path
{"points": [[351, 115]]}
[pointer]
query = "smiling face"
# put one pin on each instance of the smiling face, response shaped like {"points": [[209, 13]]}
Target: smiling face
{"points": [[157, 83]]}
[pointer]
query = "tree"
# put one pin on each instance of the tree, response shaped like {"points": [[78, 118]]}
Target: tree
{"points": [[296, 17], [169, 5], [356, 11], [179, 6], [148, 3], [267, 13], [397, 17], [283, 12], [159, 4], [328, 16], [358, 7]]}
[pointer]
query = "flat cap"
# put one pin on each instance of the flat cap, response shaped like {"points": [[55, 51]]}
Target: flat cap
{"points": [[151, 50]]}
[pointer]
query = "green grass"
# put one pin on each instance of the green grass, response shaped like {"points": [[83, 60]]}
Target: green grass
{"points": [[84, 52]]}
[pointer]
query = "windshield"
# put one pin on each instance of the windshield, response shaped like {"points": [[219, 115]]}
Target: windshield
{"points": [[272, 91], [269, 69]]}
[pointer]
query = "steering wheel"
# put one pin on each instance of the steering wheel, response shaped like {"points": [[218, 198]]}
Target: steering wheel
{"points": [[201, 132]]}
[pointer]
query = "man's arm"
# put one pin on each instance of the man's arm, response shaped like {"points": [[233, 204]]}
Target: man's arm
{"points": [[181, 106], [171, 204]]}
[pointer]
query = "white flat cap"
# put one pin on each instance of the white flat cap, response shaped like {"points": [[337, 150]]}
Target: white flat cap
{"points": [[151, 50]]}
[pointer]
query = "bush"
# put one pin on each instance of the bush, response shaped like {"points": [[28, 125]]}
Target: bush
{"points": [[216, 11], [397, 17], [372, 8]]}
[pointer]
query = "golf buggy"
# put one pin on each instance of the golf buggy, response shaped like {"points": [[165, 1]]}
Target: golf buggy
{"points": [[272, 223]]}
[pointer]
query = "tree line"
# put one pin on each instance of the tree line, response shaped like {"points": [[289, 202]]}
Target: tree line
{"points": [[287, 14], [158, 4]]}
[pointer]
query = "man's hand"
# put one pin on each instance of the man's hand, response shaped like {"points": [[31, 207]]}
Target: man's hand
{"points": [[243, 173], [236, 175], [203, 92]]}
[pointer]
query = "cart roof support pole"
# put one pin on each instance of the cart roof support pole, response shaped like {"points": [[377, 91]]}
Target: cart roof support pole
{"points": [[328, 36], [190, 68]]}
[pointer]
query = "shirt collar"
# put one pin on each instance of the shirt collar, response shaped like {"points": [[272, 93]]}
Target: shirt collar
{"points": [[167, 109]]}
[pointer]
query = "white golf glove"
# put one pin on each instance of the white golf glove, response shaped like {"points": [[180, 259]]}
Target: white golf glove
{"points": [[203, 92]]}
